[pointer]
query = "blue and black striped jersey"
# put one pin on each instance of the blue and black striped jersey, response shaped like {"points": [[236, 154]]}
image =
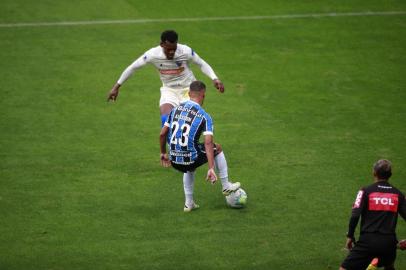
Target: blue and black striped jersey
{"points": [[187, 123]]}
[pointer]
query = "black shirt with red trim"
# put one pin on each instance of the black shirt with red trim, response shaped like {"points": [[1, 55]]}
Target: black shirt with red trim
{"points": [[378, 205]]}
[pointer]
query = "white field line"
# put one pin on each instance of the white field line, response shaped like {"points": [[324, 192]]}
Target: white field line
{"points": [[202, 19]]}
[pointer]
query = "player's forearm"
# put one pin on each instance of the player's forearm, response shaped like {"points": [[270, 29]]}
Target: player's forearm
{"points": [[402, 210], [162, 144], [116, 86], [207, 70], [125, 75], [210, 158], [204, 67], [351, 226], [130, 70], [162, 139], [208, 145]]}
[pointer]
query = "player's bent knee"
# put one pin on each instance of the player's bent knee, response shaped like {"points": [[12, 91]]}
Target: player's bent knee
{"points": [[218, 148], [165, 108]]}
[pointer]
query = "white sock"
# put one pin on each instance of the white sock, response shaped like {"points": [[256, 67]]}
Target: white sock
{"points": [[222, 169], [188, 183]]}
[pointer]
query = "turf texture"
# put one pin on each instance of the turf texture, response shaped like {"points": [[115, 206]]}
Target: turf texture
{"points": [[310, 105]]}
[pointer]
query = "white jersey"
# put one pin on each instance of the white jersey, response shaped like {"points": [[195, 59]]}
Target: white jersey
{"points": [[174, 73]]}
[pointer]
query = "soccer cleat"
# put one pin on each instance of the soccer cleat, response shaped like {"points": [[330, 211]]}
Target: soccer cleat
{"points": [[190, 207], [231, 188]]}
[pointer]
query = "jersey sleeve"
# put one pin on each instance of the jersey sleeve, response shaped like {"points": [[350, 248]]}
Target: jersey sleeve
{"points": [[402, 207], [168, 119], [204, 67], [208, 125], [359, 203], [357, 208], [138, 63]]}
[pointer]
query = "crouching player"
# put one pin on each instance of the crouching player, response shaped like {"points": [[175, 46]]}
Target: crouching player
{"points": [[378, 205], [182, 130]]}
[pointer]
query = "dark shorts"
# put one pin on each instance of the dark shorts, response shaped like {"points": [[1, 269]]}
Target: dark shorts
{"points": [[199, 161], [370, 246]]}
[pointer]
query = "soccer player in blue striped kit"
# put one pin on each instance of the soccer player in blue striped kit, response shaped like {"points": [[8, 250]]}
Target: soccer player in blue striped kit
{"points": [[181, 131]]}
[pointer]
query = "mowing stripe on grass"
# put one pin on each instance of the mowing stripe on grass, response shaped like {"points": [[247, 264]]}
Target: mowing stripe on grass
{"points": [[202, 19]]}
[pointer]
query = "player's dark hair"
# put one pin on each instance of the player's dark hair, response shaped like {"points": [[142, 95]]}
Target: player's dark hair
{"points": [[197, 86], [383, 169], [170, 36]]}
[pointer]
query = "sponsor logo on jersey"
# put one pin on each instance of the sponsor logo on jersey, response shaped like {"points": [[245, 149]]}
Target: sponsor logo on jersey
{"points": [[180, 154], [358, 199], [172, 71], [384, 187], [183, 117], [178, 63], [379, 201]]}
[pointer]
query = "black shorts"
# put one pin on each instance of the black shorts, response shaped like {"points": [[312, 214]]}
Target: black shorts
{"points": [[199, 161], [370, 246]]}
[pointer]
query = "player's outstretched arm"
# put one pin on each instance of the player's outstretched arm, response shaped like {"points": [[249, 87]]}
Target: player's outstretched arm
{"points": [[207, 69], [140, 62], [113, 93]]}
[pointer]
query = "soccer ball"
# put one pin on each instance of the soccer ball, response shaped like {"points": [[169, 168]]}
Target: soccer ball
{"points": [[237, 199]]}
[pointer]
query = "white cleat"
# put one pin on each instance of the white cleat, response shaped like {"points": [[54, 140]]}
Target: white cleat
{"points": [[189, 208], [231, 188]]}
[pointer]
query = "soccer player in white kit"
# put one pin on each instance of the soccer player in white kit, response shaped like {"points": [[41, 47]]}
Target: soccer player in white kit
{"points": [[172, 61]]}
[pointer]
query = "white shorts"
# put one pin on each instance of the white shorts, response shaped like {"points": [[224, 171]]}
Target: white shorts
{"points": [[173, 96]]}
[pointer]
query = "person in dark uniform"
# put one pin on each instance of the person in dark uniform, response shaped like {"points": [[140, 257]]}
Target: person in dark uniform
{"points": [[378, 205], [181, 131]]}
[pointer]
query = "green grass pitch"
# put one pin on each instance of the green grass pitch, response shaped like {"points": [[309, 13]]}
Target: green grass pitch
{"points": [[310, 104]]}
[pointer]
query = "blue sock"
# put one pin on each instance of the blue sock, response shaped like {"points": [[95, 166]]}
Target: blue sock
{"points": [[163, 119]]}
